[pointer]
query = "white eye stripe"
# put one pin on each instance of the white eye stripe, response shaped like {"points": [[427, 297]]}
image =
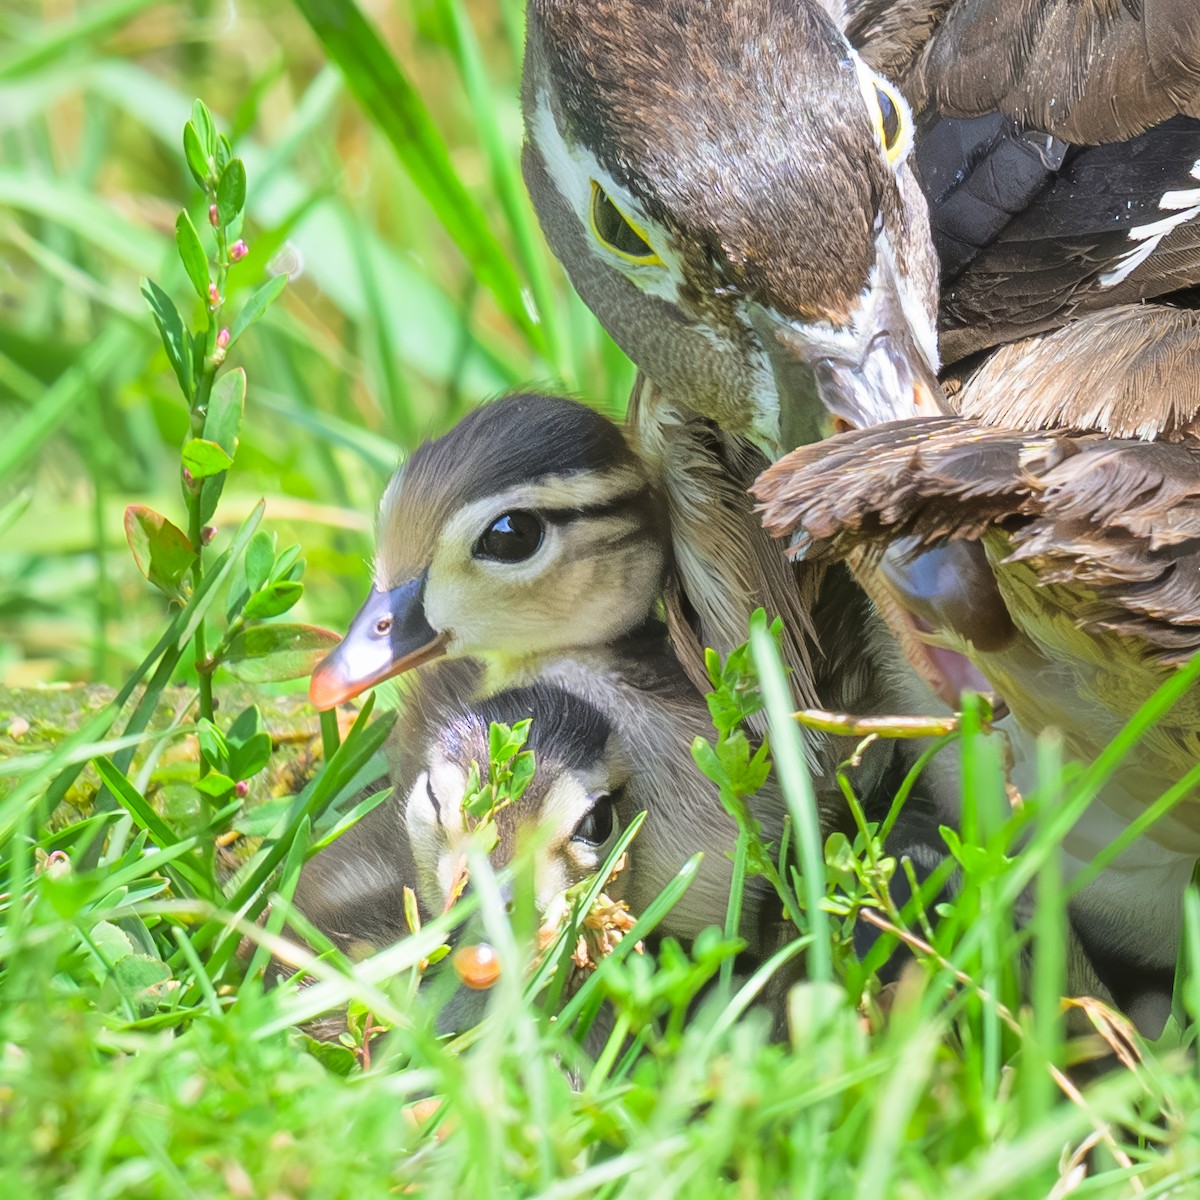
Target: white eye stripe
{"points": [[572, 170]]}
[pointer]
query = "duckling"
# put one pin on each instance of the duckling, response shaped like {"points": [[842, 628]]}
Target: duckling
{"points": [[529, 538], [581, 789]]}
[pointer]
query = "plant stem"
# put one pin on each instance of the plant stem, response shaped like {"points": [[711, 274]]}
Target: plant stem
{"points": [[733, 914], [207, 373]]}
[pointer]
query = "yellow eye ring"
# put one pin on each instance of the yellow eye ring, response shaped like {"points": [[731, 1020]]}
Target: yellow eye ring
{"points": [[891, 119], [618, 233]]}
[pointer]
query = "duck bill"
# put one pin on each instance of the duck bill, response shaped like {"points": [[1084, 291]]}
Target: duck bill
{"points": [[390, 634], [830, 379], [890, 382]]}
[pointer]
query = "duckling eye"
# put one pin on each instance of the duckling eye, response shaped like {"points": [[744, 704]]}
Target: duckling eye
{"points": [[615, 231], [889, 120], [597, 826], [512, 537]]}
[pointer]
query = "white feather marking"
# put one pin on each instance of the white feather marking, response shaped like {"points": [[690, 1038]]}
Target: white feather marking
{"points": [[1186, 206]]}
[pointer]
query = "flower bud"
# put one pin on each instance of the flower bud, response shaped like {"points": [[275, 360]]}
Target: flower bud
{"points": [[188, 478], [238, 251], [223, 339], [242, 788], [214, 297], [207, 534], [214, 217]]}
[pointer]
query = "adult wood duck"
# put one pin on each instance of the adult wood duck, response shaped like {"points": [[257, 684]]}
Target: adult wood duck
{"points": [[730, 185]]}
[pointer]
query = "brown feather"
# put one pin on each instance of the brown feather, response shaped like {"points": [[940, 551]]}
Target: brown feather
{"points": [[1118, 520], [1132, 373], [1087, 71]]}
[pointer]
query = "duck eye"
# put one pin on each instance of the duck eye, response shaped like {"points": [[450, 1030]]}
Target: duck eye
{"points": [[510, 538], [597, 826], [890, 123], [615, 231]]}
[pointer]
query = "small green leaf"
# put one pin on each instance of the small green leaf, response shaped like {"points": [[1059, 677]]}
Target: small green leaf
{"points": [[250, 757], [205, 128], [191, 253], [161, 550], [289, 565], [231, 191], [256, 306], [215, 785], [205, 459], [112, 943], [263, 818], [171, 330], [522, 774], [248, 724], [273, 600], [224, 152], [213, 743], [706, 759], [260, 556], [193, 151], [273, 653], [140, 978]]}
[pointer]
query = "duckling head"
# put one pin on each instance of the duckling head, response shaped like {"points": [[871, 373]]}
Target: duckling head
{"points": [[571, 813], [727, 185], [529, 529]]}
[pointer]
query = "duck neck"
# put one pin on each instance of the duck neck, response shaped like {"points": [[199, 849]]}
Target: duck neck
{"points": [[726, 564]]}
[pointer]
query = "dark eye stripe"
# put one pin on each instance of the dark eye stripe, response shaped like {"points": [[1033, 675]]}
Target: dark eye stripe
{"points": [[639, 502], [437, 808]]}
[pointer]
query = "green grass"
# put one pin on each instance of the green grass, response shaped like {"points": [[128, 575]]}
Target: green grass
{"points": [[141, 1053]]}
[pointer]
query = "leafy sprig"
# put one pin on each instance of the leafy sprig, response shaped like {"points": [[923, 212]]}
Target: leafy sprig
{"points": [[263, 583]]}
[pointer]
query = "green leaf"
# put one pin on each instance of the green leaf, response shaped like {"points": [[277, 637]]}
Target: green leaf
{"points": [[273, 653], [221, 425], [256, 306], [205, 459], [260, 556], [215, 785], [263, 818], [213, 743], [112, 943], [224, 152], [289, 565], [161, 550], [273, 600], [231, 191], [248, 724], [250, 757], [224, 417], [389, 98], [172, 331], [205, 128], [193, 151], [139, 978], [191, 253]]}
